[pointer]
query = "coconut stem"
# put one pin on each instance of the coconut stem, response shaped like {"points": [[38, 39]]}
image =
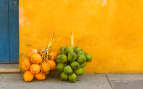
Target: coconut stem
{"points": [[50, 44], [72, 39], [51, 41]]}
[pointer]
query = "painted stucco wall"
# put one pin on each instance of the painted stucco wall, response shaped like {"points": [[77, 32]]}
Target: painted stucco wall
{"points": [[111, 30]]}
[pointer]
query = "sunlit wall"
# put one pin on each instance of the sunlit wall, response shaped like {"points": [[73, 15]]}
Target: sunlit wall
{"points": [[111, 30]]}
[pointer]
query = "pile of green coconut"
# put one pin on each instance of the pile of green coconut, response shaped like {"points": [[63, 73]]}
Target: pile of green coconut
{"points": [[71, 62]]}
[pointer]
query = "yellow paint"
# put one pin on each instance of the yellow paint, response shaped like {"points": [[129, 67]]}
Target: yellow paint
{"points": [[111, 30]]}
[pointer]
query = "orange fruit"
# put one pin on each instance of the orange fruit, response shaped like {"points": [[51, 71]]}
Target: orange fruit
{"points": [[36, 58], [45, 67], [52, 64], [24, 64], [40, 76], [35, 68], [28, 76], [53, 55]]}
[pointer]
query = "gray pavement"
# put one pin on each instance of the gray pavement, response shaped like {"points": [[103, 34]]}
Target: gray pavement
{"points": [[87, 81]]}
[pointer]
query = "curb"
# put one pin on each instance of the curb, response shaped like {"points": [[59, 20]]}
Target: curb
{"points": [[9, 68]]}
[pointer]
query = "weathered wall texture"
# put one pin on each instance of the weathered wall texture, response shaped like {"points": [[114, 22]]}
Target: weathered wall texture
{"points": [[111, 30]]}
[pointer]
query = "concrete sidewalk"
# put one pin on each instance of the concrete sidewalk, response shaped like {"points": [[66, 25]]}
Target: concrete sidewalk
{"points": [[87, 81]]}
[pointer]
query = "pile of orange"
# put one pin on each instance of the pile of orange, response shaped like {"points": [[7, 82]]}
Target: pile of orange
{"points": [[37, 64]]}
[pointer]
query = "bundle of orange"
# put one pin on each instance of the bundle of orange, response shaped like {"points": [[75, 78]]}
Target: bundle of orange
{"points": [[37, 64]]}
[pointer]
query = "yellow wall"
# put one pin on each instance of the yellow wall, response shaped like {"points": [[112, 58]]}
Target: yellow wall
{"points": [[111, 30]]}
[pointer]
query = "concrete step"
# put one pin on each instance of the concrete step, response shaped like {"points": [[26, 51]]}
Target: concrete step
{"points": [[7, 68]]}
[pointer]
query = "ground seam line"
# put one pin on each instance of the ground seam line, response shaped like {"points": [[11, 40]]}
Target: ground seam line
{"points": [[109, 81]]}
